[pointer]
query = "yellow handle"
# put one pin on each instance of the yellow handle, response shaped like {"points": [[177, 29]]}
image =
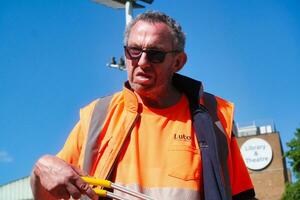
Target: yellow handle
{"points": [[97, 182], [101, 193]]}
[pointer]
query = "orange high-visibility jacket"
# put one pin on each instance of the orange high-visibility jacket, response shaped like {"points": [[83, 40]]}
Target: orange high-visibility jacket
{"points": [[96, 140]]}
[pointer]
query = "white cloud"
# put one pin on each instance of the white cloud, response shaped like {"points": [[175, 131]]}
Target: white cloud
{"points": [[5, 157]]}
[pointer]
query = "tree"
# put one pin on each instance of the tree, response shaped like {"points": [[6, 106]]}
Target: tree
{"points": [[292, 190], [294, 153]]}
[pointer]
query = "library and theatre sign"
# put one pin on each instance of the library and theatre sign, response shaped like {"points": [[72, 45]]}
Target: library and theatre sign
{"points": [[257, 153]]}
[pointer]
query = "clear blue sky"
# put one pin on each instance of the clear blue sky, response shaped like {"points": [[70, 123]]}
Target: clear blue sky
{"points": [[53, 57]]}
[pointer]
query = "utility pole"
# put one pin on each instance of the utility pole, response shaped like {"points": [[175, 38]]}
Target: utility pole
{"points": [[128, 5]]}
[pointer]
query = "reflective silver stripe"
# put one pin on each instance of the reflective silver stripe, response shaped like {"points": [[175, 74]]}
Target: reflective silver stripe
{"points": [[97, 120], [163, 193], [219, 125]]}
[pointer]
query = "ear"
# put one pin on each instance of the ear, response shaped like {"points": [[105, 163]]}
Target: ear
{"points": [[180, 61]]}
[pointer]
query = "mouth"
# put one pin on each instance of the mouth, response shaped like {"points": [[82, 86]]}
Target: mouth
{"points": [[143, 78]]}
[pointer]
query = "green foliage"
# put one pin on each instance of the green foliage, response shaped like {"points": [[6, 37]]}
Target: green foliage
{"points": [[292, 191], [294, 153]]}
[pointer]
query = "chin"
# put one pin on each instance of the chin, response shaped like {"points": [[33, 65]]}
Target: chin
{"points": [[142, 90]]}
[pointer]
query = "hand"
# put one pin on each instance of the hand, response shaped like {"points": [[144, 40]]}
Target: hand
{"points": [[59, 179]]}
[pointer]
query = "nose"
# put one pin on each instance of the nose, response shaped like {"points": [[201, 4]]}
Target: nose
{"points": [[143, 61]]}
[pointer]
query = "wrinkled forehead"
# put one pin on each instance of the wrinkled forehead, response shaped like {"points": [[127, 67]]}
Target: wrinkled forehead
{"points": [[147, 35]]}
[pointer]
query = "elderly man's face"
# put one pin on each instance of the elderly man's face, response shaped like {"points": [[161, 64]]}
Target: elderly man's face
{"points": [[148, 77]]}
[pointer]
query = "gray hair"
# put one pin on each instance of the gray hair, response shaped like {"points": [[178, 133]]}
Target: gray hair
{"points": [[159, 17]]}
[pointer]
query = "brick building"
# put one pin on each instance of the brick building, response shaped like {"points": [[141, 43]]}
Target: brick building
{"points": [[263, 155]]}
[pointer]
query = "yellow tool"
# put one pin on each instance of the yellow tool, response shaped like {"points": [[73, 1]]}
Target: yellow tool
{"points": [[109, 184]]}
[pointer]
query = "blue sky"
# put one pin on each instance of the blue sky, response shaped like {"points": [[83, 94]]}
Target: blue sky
{"points": [[53, 57]]}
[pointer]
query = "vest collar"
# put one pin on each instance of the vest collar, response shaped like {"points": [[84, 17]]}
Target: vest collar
{"points": [[193, 89], [130, 99], [190, 87]]}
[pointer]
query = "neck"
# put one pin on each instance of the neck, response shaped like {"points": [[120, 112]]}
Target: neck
{"points": [[164, 99]]}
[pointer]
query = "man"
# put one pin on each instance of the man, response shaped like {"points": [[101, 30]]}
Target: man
{"points": [[162, 135]]}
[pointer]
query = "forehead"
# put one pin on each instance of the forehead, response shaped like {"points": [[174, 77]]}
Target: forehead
{"points": [[146, 34]]}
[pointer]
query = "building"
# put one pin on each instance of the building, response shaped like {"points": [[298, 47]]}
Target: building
{"points": [[16, 190], [262, 152]]}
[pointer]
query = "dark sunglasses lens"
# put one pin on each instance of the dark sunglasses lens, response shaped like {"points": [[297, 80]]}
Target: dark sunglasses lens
{"points": [[134, 53], [155, 56]]}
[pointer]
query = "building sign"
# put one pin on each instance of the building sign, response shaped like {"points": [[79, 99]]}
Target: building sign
{"points": [[257, 153]]}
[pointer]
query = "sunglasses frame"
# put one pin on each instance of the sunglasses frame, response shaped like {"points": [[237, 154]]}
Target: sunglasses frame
{"points": [[149, 53]]}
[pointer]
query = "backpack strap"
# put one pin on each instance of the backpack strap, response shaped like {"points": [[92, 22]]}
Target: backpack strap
{"points": [[211, 104], [204, 122]]}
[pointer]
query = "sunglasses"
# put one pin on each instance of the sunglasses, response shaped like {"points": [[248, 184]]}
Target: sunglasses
{"points": [[153, 55]]}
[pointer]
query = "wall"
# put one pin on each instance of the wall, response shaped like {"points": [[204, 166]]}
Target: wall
{"points": [[269, 183]]}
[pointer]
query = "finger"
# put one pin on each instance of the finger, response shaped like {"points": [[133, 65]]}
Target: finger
{"points": [[90, 193], [85, 188], [62, 193], [73, 191]]}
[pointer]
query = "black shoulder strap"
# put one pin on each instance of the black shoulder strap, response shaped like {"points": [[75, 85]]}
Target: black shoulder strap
{"points": [[210, 103], [204, 125]]}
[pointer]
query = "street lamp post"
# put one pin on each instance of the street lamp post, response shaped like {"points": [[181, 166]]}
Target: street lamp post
{"points": [[128, 5], [128, 12]]}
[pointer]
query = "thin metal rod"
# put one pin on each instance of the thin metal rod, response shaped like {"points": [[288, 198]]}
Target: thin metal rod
{"points": [[131, 192], [115, 196]]}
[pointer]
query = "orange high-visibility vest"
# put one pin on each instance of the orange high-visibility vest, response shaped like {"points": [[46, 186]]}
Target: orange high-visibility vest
{"points": [[107, 123]]}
